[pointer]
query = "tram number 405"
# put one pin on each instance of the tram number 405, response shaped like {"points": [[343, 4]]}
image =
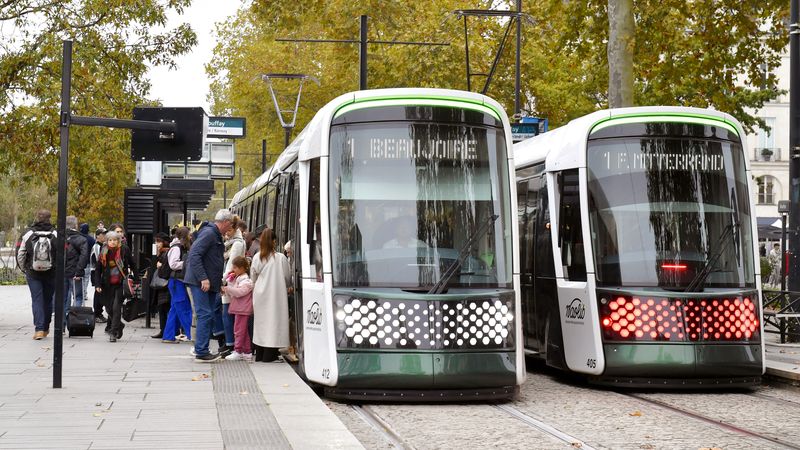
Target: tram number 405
{"points": [[326, 374], [591, 363]]}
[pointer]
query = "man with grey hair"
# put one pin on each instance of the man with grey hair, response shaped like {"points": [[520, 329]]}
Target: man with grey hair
{"points": [[203, 275], [36, 257], [76, 259]]}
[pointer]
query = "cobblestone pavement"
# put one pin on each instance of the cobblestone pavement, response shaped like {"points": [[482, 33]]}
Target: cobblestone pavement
{"points": [[602, 418]]}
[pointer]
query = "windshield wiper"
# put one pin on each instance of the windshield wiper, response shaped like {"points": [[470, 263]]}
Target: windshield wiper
{"points": [[452, 269], [701, 276]]}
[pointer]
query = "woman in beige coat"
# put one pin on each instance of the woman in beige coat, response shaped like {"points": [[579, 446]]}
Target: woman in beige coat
{"points": [[271, 279]]}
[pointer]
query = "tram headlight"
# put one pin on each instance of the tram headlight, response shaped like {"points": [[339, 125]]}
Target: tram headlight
{"points": [[485, 323]]}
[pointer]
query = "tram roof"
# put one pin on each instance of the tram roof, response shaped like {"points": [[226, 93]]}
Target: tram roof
{"points": [[557, 147], [312, 140]]}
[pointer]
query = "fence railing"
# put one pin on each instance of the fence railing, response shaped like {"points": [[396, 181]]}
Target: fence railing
{"points": [[9, 273], [767, 154], [782, 312]]}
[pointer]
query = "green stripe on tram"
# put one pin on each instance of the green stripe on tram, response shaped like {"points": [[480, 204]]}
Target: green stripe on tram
{"points": [[450, 102], [665, 117]]}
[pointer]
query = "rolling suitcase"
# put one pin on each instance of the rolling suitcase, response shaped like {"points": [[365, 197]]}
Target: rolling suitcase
{"points": [[80, 320]]}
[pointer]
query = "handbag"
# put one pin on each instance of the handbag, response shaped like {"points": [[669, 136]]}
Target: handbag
{"points": [[156, 282], [127, 288]]}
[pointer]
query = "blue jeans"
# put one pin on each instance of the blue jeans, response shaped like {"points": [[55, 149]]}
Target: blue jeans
{"points": [[204, 307], [42, 291], [227, 322], [180, 311], [71, 285], [219, 321]]}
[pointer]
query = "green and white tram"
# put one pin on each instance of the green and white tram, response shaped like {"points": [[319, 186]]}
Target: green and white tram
{"points": [[400, 207], [638, 252]]}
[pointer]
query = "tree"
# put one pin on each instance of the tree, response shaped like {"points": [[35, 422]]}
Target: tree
{"points": [[620, 53], [114, 44], [703, 53]]}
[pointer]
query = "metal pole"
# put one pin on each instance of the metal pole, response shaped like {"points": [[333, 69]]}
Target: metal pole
{"points": [[784, 253], [287, 137], [224, 194], [63, 172], [784, 260], [794, 146], [263, 155], [466, 47], [240, 178], [517, 79], [362, 55]]}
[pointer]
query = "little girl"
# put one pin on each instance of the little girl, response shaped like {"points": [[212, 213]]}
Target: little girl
{"points": [[240, 291]]}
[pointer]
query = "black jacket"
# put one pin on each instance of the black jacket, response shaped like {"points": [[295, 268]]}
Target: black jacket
{"points": [[102, 272], [77, 255]]}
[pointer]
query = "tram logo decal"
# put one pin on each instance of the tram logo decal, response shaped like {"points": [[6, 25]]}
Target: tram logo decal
{"points": [[576, 312], [314, 317]]}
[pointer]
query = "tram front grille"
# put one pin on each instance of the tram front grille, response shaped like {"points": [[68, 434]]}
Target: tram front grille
{"points": [[469, 324]]}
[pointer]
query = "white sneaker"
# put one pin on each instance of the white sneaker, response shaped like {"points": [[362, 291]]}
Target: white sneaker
{"points": [[247, 357], [181, 337], [234, 356], [191, 351]]}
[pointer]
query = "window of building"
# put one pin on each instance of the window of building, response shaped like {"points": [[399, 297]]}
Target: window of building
{"points": [[766, 190]]}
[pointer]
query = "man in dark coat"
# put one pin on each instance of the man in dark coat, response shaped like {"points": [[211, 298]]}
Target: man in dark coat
{"points": [[76, 260], [41, 277], [204, 266]]}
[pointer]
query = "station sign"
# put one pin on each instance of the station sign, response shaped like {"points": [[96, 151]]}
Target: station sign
{"points": [[226, 127], [784, 206]]}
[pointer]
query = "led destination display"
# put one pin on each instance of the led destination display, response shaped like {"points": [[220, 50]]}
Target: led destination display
{"points": [[407, 148]]}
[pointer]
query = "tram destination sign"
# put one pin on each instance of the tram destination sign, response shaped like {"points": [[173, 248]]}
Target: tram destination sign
{"points": [[227, 127]]}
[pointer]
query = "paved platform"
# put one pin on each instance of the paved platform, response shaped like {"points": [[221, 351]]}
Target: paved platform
{"points": [[138, 393]]}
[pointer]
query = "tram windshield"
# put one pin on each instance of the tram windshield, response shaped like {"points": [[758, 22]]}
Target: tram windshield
{"points": [[670, 212], [411, 200]]}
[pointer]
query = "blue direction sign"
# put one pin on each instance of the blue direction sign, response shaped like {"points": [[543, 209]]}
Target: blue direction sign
{"points": [[226, 127]]}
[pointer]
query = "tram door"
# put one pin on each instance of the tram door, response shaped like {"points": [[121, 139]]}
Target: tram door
{"points": [[527, 204]]}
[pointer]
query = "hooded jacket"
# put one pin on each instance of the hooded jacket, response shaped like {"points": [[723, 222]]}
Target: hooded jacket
{"points": [[77, 256], [25, 250]]}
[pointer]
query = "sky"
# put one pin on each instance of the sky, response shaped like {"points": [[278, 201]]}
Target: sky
{"points": [[188, 85]]}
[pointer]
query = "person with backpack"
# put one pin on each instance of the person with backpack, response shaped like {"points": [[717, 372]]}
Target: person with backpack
{"points": [[113, 267], [75, 262], [180, 308], [36, 257]]}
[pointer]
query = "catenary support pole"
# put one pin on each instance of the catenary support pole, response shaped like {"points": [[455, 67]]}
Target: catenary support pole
{"points": [[63, 172], [794, 149], [263, 155], [517, 76], [362, 56]]}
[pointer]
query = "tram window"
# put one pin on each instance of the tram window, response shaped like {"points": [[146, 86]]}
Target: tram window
{"points": [[545, 266], [269, 207], [314, 223], [570, 234]]}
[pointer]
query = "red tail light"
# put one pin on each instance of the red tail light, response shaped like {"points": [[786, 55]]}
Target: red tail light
{"points": [[674, 266], [678, 320]]}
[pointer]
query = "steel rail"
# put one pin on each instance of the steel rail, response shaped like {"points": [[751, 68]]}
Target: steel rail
{"points": [[544, 427], [381, 426], [718, 423]]}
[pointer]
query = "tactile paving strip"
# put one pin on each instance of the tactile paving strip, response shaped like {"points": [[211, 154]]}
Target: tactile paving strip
{"points": [[244, 416]]}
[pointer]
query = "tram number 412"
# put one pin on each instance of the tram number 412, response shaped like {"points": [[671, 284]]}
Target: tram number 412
{"points": [[326, 374], [591, 363]]}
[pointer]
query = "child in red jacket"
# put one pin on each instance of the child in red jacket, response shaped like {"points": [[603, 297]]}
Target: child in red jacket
{"points": [[240, 291]]}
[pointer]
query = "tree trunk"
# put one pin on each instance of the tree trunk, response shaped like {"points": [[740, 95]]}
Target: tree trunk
{"points": [[620, 53]]}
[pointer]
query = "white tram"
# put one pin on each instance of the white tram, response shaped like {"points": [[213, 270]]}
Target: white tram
{"points": [[638, 250], [400, 207]]}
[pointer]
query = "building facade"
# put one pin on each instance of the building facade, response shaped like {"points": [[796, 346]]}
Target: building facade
{"points": [[768, 151]]}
